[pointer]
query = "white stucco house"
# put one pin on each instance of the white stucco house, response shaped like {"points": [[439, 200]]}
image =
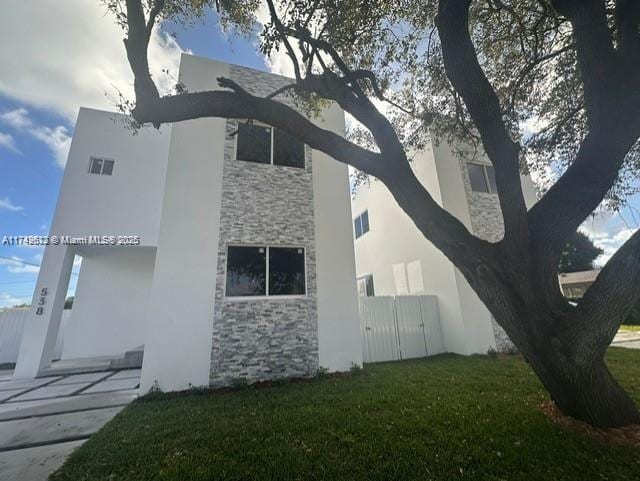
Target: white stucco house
{"points": [[241, 258], [394, 259]]}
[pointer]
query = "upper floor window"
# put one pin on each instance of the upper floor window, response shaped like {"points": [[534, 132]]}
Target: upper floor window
{"points": [[268, 145], [482, 178], [365, 286], [101, 166], [361, 224], [265, 271]]}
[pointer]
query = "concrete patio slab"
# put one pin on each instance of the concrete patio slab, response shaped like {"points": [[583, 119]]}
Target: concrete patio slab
{"points": [[4, 395], [113, 385], [51, 391], [46, 407], [127, 373], [43, 420], [82, 378], [34, 464], [48, 429], [26, 383]]}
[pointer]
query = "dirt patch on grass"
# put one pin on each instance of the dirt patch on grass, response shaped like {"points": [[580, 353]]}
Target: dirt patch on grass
{"points": [[625, 436]]}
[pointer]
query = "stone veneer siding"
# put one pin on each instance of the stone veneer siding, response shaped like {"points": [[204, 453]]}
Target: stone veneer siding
{"points": [[265, 205], [486, 222]]}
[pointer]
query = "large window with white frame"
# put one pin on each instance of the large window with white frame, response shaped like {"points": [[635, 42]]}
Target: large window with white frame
{"points": [[261, 271], [268, 145], [101, 166], [482, 178], [361, 224]]}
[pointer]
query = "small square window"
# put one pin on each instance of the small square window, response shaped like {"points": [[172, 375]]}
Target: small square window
{"points": [[365, 222], [361, 224], [365, 286], [107, 167], [287, 150], [95, 167], [357, 223], [477, 178], [101, 166], [254, 143], [246, 271], [286, 271]]}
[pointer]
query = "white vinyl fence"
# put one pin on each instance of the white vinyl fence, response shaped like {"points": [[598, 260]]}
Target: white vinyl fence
{"points": [[401, 327], [11, 327]]}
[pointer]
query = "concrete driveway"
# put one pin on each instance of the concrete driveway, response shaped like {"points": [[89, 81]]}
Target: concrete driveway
{"points": [[43, 420]]}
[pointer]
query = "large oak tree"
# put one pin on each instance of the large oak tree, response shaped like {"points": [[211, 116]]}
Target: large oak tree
{"points": [[474, 70]]}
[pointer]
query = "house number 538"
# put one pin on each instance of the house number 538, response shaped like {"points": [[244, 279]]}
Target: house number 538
{"points": [[42, 300]]}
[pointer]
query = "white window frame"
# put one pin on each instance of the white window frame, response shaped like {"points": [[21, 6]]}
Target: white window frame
{"points": [[484, 166], [364, 278], [266, 296], [102, 159], [272, 129], [353, 223]]}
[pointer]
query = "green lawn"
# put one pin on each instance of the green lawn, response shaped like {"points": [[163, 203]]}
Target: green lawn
{"points": [[630, 327], [443, 418]]}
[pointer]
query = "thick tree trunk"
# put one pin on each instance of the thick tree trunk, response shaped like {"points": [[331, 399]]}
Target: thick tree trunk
{"points": [[576, 376], [564, 344], [584, 389]]}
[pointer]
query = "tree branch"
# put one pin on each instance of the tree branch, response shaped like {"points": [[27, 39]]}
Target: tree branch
{"points": [[468, 79], [612, 296], [390, 165], [136, 43], [612, 105], [627, 18], [597, 62]]}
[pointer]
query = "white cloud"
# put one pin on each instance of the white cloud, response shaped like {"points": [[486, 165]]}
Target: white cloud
{"points": [[67, 54], [16, 265], [6, 204], [607, 231], [7, 141], [279, 62], [7, 300], [57, 139], [17, 118], [611, 243]]}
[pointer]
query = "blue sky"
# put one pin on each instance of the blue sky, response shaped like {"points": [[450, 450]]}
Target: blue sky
{"points": [[72, 55], [40, 92]]}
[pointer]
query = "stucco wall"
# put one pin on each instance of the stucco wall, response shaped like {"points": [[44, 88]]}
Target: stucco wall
{"points": [[124, 203], [180, 317], [339, 345], [266, 205], [109, 313], [394, 240]]}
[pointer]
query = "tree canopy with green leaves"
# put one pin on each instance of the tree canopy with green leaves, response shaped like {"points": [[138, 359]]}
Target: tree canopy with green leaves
{"points": [[535, 85], [579, 254]]}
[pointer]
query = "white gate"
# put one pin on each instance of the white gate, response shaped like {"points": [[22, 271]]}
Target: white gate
{"points": [[401, 327], [11, 326]]}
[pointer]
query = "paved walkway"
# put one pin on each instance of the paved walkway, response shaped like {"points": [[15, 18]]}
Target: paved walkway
{"points": [[43, 420], [629, 339]]}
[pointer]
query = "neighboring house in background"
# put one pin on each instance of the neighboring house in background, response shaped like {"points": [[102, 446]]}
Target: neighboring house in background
{"points": [[575, 284], [393, 258], [245, 266]]}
